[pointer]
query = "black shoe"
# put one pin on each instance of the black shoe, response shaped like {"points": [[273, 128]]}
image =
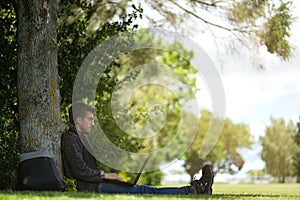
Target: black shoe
{"points": [[203, 185]]}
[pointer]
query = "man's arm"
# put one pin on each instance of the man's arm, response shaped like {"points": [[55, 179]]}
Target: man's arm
{"points": [[73, 154], [72, 150]]}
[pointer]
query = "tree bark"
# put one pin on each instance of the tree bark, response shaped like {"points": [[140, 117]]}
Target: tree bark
{"points": [[38, 91]]}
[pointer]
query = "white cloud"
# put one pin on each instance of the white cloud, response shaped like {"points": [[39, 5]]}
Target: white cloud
{"points": [[275, 91]]}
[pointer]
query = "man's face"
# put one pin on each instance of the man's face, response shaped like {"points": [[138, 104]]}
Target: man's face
{"points": [[85, 124]]}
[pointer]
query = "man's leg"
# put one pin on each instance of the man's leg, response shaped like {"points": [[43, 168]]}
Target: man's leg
{"points": [[112, 188], [143, 189], [201, 186]]}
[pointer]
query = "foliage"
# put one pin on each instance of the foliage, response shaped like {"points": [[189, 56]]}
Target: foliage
{"points": [[146, 100], [9, 128], [276, 31], [250, 22], [97, 13], [234, 137], [279, 148], [225, 153], [152, 178], [71, 186], [75, 44], [270, 24], [154, 98], [257, 173]]}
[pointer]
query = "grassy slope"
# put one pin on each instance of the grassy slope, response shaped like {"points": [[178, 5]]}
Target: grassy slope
{"points": [[221, 191]]}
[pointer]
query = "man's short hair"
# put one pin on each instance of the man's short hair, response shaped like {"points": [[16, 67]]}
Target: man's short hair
{"points": [[79, 109]]}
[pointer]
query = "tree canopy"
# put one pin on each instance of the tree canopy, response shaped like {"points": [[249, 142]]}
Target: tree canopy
{"points": [[253, 23], [225, 155]]}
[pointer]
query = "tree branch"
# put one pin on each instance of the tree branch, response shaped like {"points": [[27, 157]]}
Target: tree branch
{"points": [[240, 29], [214, 4]]}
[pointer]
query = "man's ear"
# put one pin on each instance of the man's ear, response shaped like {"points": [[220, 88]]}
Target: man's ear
{"points": [[78, 120]]}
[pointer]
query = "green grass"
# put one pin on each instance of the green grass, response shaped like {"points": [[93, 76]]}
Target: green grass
{"points": [[257, 191], [221, 191]]}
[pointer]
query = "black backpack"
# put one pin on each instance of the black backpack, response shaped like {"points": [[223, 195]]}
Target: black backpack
{"points": [[37, 171]]}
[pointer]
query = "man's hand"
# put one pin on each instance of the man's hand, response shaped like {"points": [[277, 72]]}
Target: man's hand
{"points": [[113, 176]]}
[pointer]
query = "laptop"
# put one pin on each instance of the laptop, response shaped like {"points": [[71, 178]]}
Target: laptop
{"points": [[128, 184]]}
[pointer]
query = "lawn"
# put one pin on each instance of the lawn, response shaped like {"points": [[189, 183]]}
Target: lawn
{"points": [[221, 191]]}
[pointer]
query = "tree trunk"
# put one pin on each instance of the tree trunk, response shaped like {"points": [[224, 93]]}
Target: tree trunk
{"points": [[281, 179], [38, 93]]}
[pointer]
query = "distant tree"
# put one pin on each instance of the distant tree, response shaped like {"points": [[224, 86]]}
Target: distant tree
{"points": [[257, 173], [297, 155], [225, 154], [279, 148]]}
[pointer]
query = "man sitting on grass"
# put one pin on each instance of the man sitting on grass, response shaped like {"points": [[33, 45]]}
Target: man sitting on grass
{"points": [[80, 164]]}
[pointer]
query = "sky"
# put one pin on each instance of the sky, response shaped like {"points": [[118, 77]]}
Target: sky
{"points": [[253, 95]]}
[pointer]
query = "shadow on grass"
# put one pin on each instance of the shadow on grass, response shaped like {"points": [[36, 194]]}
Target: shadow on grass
{"points": [[48, 194], [82, 195], [241, 196]]}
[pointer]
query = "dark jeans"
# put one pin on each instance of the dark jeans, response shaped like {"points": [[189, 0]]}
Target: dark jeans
{"points": [[112, 188]]}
